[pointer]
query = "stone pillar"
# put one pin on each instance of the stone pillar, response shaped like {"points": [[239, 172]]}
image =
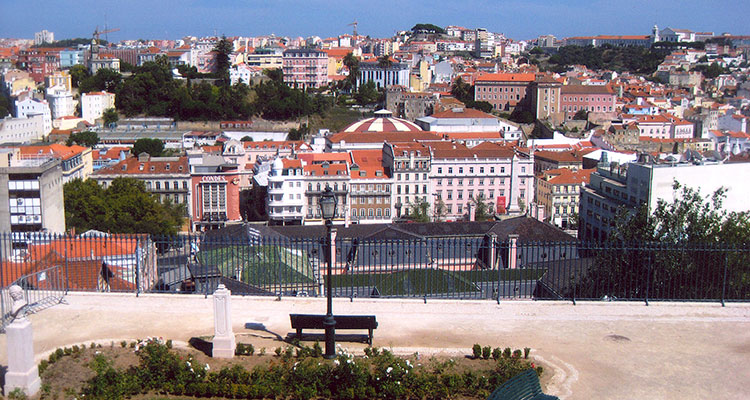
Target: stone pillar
{"points": [[492, 251], [22, 372], [224, 343], [513, 251]]}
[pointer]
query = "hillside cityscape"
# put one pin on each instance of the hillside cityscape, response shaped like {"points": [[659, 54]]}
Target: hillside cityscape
{"points": [[439, 163]]}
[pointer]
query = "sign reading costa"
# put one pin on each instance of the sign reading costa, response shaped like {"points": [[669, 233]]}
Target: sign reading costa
{"points": [[213, 178]]}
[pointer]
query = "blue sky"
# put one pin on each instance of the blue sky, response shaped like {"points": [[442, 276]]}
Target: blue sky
{"points": [[518, 19]]}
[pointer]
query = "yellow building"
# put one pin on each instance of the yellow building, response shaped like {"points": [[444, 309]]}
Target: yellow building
{"points": [[558, 190], [60, 78]]}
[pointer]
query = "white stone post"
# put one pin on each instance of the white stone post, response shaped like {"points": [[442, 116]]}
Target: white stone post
{"points": [[224, 343], [22, 372], [512, 251]]}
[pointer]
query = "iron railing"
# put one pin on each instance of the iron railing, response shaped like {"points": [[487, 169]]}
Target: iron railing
{"points": [[467, 267], [45, 288]]}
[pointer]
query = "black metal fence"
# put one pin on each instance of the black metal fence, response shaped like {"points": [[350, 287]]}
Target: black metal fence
{"points": [[481, 267]]}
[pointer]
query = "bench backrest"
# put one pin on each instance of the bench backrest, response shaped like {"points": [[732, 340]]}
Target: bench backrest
{"points": [[312, 321], [521, 387]]}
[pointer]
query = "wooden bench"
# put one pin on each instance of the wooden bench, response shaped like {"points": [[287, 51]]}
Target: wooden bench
{"points": [[315, 321], [524, 386]]}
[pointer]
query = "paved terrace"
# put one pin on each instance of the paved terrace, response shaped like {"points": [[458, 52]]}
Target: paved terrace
{"points": [[594, 350]]}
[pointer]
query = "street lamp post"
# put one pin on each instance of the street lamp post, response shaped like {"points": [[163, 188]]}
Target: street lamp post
{"points": [[327, 205]]}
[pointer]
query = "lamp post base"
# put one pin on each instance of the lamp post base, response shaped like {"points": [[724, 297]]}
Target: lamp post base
{"points": [[330, 327]]}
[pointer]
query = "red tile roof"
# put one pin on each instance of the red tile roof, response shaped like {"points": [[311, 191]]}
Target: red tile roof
{"points": [[132, 166], [56, 149], [507, 77]]}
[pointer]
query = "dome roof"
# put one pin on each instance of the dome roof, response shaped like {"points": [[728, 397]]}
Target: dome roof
{"points": [[383, 121], [278, 164]]}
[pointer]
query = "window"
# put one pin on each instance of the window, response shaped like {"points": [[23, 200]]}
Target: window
{"points": [[460, 194], [214, 196], [481, 170], [471, 170], [158, 185], [450, 195], [492, 170], [450, 170], [460, 170], [439, 182], [440, 170], [502, 170]]}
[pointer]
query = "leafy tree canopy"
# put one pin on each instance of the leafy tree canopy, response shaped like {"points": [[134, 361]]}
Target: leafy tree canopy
{"points": [[419, 211], [85, 138], [123, 207], [154, 147], [427, 28], [636, 59], [110, 116], [105, 79]]}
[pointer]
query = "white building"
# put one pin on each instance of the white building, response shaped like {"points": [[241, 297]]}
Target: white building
{"points": [[30, 106], [396, 74], [94, 104], [286, 192], [22, 130], [242, 73], [641, 183], [44, 37], [60, 102]]}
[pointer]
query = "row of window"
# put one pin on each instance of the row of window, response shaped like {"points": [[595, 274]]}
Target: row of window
{"points": [[490, 194], [502, 89], [470, 182], [586, 108], [157, 185], [371, 200], [406, 177], [406, 189], [481, 170]]}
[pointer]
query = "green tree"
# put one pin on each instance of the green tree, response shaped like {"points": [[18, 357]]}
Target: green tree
{"points": [[78, 73], [223, 49], [482, 210], [154, 147], [110, 116], [124, 207], [367, 94], [419, 211], [246, 139], [352, 64], [385, 63], [105, 79], [85, 138], [670, 250], [427, 28], [462, 91], [440, 211]]}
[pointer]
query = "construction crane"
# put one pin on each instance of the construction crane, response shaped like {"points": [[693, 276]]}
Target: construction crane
{"points": [[95, 38], [354, 24]]}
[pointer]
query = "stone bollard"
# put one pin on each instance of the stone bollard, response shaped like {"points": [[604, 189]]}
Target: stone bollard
{"points": [[224, 343], [22, 372]]}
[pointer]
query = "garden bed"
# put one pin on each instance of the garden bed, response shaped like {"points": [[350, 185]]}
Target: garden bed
{"points": [[153, 369]]}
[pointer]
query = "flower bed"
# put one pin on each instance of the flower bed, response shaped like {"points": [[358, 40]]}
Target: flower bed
{"points": [[293, 373]]}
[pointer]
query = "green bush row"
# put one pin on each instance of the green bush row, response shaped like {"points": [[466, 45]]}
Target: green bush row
{"points": [[378, 375]]}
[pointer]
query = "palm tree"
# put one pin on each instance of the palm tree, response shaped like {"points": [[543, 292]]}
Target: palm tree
{"points": [[385, 62]]}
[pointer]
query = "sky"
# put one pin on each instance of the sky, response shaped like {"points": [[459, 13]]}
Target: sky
{"points": [[517, 19]]}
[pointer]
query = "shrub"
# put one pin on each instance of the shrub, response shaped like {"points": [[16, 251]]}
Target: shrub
{"points": [[277, 351], [160, 372], [496, 353], [262, 351], [43, 366], [526, 351], [476, 351], [506, 352], [486, 351], [169, 343], [123, 344], [517, 353]]}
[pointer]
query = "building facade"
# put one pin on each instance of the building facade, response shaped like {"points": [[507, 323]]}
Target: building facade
{"points": [[305, 68], [505, 91], [94, 104]]}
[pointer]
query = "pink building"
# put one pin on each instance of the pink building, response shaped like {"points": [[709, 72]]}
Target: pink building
{"points": [[502, 175], [590, 98], [305, 68]]}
